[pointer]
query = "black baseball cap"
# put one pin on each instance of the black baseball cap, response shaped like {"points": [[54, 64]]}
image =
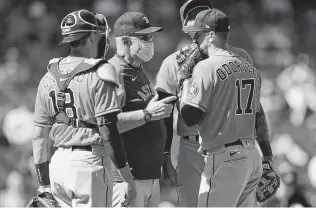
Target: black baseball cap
{"points": [[209, 20], [192, 6], [133, 23], [77, 24]]}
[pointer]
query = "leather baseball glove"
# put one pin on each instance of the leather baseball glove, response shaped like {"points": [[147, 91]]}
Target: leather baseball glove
{"points": [[44, 199], [187, 58], [268, 184]]}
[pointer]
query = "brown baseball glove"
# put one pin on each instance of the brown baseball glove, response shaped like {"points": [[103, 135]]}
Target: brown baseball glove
{"points": [[268, 184], [44, 199], [187, 58]]}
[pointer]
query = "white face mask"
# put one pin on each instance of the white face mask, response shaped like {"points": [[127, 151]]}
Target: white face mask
{"points": [[144, 50]]}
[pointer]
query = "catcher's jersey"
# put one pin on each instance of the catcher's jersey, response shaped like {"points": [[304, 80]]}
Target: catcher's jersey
{"points": [[168, 81], [227, 89], [87, 97]]}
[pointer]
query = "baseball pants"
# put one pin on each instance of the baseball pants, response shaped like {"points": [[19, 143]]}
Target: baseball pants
{"points": [[148, 193], [81, 178], [230, 176], [190, 168]]}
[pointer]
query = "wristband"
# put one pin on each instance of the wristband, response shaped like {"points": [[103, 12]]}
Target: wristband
{"points": [[42, 172], [43, 189]]}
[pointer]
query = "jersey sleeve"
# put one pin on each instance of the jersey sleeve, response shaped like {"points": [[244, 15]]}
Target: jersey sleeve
{"points": [[200, 89], [105, 98], [41, 113], [166, 77]]}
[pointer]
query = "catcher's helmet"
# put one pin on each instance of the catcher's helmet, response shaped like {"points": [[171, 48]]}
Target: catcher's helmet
{"points": [[191, 8], [79, 23]]}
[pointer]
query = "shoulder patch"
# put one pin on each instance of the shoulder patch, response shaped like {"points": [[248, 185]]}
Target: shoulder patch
{"points": [[193, 91], [108, 73]]}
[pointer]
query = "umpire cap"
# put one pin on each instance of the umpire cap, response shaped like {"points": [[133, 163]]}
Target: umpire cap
{"points": [[209, 20], [190, 9], [133, 23], [77, 24]]}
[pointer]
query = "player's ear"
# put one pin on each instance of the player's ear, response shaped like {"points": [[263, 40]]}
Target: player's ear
{"points": [[211, 36]]}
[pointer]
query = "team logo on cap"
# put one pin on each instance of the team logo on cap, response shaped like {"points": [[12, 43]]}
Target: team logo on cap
{"points": [[68, 22]]}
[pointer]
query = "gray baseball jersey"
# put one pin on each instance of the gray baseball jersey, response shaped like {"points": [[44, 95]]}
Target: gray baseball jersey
{"points": [[168, 79], [227, 89], [87, 97]]}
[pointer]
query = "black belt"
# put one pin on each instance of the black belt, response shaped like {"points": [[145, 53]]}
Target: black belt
{"points": [[237, 142], [87, 148], [188, 138]]}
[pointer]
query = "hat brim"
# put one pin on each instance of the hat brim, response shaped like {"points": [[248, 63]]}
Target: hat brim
{"points": [[191, 28], [148, 30], [72, 37]]}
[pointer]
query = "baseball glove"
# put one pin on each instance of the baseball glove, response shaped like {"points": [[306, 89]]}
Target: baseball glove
{"points": [[187, 58], [268, 184], [44, 199]]}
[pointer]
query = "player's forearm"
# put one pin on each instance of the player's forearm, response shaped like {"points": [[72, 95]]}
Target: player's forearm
{"points": [[41, 154], [113, 142], [168, 122], [263, 134], [130, 120], [115, 149], [113, 145]]}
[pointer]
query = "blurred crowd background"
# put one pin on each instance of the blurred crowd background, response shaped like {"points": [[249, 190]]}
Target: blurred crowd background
{"points": [[278, 34]]}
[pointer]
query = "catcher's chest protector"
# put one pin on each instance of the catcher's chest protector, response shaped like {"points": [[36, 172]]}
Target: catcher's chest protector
{"points": [[63, 81]]}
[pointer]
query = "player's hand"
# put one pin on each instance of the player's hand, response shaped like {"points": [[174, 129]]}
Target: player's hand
{"points": [[160, 109], [169, 174], [130, 194], [128, 178]]}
